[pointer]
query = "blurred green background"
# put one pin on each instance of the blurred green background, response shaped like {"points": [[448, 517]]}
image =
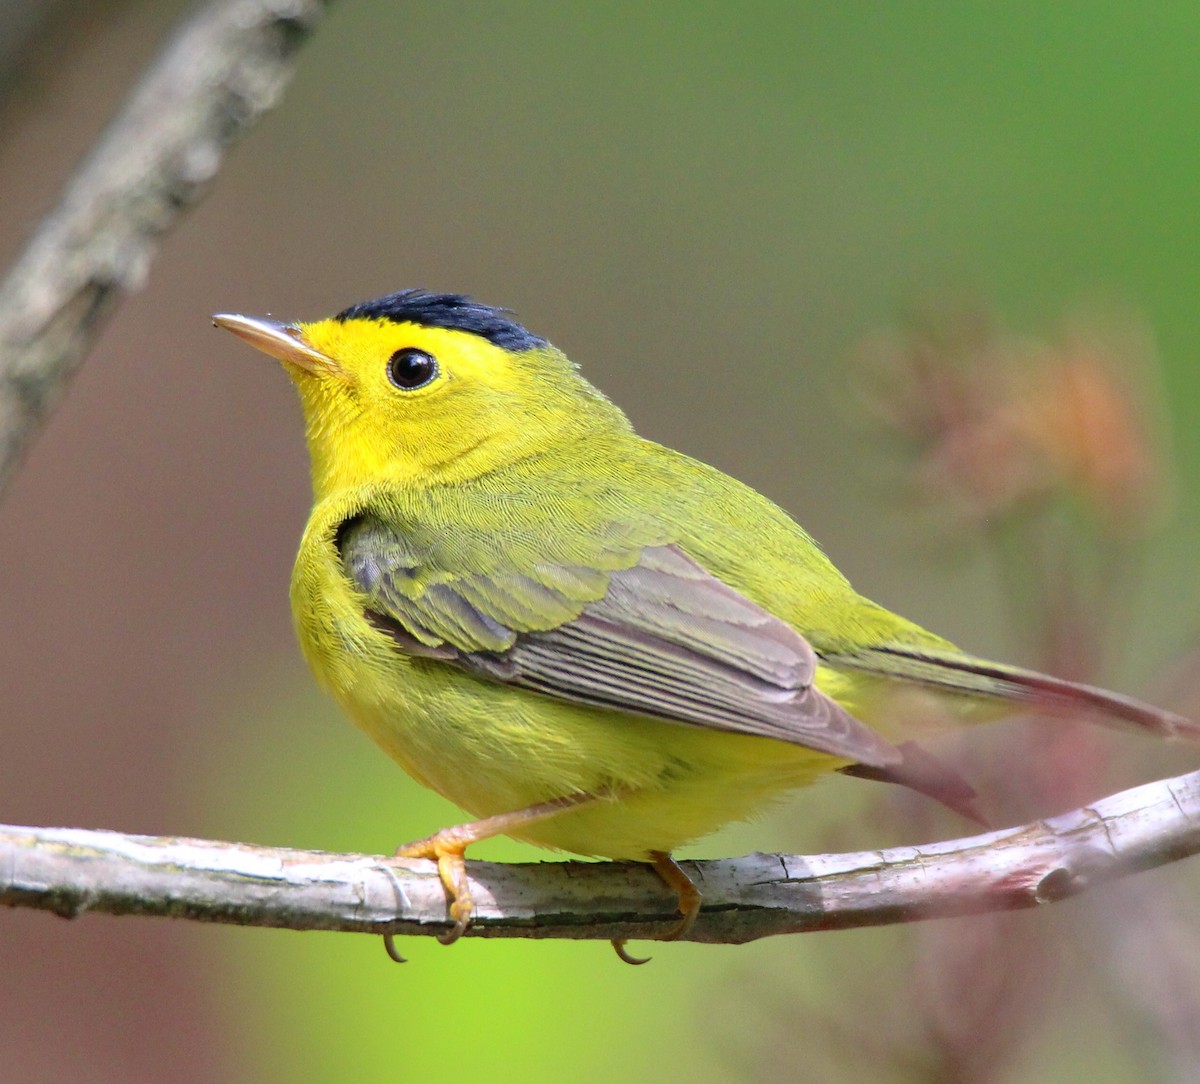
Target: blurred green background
{"points": [[709, 207]]}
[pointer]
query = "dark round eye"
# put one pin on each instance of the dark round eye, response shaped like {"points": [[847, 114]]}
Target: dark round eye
{"points": [[410, 368]]}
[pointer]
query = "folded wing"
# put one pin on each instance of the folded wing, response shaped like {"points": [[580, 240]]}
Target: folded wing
{"points": [[662, 637]]}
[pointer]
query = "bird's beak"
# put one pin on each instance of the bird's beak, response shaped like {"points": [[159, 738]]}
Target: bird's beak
{"points": [[282, 341]]}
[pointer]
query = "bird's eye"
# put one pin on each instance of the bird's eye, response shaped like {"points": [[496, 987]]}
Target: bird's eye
{"points": [[409, 368]]}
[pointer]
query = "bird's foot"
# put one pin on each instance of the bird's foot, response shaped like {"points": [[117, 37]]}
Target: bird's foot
{"points": [[689, 900], [448, 849]]}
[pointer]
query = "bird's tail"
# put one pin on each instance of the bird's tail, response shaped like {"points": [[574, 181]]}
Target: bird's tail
{"points": [[966, 675]]}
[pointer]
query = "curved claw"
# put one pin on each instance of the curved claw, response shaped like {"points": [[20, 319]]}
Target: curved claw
{"points": [[461, 911], [619, 943], [389, 944], [689, 898]]}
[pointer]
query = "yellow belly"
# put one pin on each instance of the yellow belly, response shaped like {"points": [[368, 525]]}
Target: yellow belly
{"points": [[494, 749]]}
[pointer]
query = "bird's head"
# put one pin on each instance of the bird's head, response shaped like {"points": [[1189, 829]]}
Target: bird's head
{"points": [[425, 389]]}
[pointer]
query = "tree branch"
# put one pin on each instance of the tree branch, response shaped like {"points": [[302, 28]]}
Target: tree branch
{"points": [[75, 871], [221, 73]]}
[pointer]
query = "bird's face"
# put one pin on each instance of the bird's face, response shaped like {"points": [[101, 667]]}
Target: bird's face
{"points": [[403, 402], [388, 401]]}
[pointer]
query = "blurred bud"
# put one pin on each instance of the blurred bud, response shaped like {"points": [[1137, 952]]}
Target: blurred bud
{"points": [[999, 425], [1084, 413]]}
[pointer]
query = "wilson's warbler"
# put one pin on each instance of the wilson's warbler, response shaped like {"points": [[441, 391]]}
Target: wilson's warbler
{"points": [[589, 640]]}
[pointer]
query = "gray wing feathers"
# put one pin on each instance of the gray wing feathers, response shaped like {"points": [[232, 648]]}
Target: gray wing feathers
{"points": [[671, 640], [668, 594], [663, 638]]}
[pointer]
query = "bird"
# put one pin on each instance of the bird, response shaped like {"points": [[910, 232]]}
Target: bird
{"points": [[584, 639]]}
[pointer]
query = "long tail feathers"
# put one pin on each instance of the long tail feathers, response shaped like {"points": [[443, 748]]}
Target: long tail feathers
{"points": [[970, 676]]}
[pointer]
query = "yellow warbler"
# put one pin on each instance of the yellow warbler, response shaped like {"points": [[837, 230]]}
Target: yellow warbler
{"points": [[590, 641]]}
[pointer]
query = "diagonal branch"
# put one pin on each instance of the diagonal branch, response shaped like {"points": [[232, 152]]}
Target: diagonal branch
{"points": [[74, 871], [224, 70]]}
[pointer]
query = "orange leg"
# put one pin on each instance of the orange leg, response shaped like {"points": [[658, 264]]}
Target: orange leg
{"points": [[448, 846], [673, 877]]}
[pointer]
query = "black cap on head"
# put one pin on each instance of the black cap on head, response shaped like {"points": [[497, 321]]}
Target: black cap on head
{"points": [[452, 311]]}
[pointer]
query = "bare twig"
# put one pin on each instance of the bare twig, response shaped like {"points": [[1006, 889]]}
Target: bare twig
{"points": [[224, 69], [74, 871]]}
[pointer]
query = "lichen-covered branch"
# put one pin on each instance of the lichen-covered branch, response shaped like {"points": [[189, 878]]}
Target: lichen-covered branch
{"points": [[74, 871], [223, 70]]}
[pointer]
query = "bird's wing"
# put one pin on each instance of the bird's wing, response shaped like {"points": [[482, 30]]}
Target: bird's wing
{"points": [[660, 636]]}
